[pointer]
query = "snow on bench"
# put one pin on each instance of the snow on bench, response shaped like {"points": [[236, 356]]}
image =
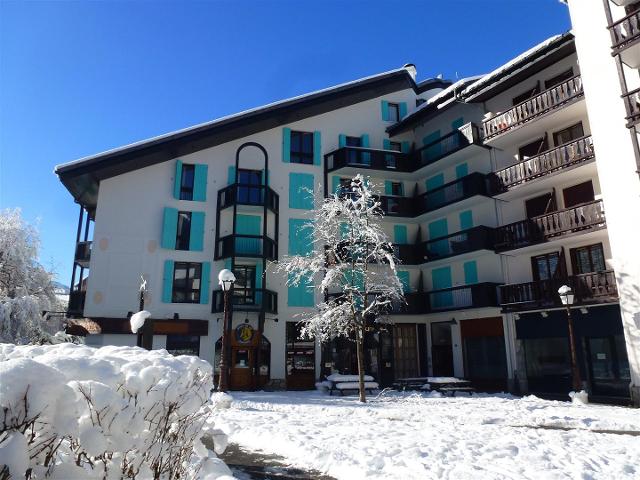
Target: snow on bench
{"points": [[340, 383]]}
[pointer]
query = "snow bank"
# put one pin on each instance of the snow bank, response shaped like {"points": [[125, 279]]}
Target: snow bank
{"points": [[72, 411]]}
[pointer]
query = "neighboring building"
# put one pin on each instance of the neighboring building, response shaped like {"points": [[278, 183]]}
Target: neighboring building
{"points": [[494, 194]]}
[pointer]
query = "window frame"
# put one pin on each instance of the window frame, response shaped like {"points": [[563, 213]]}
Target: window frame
{"points": [[560, 271], [195, 293], [397, 145], [301, 156], [393, 107], [186, 191], [399, 185], [180, 241], [246, 291], [556, 134], [590, 249]]}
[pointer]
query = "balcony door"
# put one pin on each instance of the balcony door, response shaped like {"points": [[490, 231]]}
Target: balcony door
{"points": [[249, 189], [405, 350], [608, 365], [301, 359], [354, 156], [578, 194], [540, 205], [441, 349]]}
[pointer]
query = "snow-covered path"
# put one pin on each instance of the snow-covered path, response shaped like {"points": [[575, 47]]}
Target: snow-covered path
{"points": [[414, 436]]}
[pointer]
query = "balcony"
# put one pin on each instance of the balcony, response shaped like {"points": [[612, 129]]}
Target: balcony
{"points": [[75, 308], [548, 162], [632, 104], [253, 300], [586, 217], [252, 246], [83, 254], [455, 141], [252, 195], [545, 102], [589, 288], [368, 158], [478, 295], [625, 34], [471, 240], [461, 189]]}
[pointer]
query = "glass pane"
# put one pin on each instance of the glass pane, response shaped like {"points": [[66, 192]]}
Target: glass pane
{"points": [[180, 278], [295, 141], [307, 143], [547, 357], [354, 142], [597, 257], [187, 176]]}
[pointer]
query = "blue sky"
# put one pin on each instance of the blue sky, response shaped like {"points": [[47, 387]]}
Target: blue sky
{"points": [[78, 78]]}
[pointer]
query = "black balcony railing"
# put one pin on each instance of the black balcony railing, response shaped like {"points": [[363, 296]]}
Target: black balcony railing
{"points": [[83, 253], [76, 302], [543, 164], [257, 246], [632, 104], [359, 157], [466, 135], [536, 106], [588, 288], [461, 189], [585, 217], [244, 194], [471, 240], [625, 31], [253, 300], [468, 296]]}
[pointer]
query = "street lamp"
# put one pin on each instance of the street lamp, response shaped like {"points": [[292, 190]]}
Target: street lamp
{"points": [[145, 334], [567, 297], [226, 279]]}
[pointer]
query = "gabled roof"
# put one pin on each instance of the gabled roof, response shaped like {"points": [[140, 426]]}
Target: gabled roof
{"points": [[82, 177]]}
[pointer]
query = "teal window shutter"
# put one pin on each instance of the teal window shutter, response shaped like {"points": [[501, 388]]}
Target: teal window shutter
{"points": [[457, 123], [385, 111], [167, 281], [400, 234], [342, 140], [177, 183], [435, 181], [386, 144], [300, 237], [441, 279], [364, 142], [403, 109], [169, 228], [462, 170], [200, 182], [204, 282], [406, 146], [439, 229], [231, 175], [259, 275], [335, 184], [388, 189], [317, 148], [248, 225], [470, 272], [466, 220], [196, 236], [286, 145], [301, 191], [434, 151], [301, 295], [404, 278]]}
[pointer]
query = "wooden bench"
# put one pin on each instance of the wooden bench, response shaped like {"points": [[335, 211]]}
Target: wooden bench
{"points": [[343, 383], [444, 385]]}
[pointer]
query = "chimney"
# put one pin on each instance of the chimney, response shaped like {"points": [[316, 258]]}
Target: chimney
{"points": [[411, 68]]}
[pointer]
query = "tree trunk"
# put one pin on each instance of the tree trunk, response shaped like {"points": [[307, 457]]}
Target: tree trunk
{"points": [[360, 350]]}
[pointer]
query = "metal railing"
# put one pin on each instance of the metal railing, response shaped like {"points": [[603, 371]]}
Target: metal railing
{"points": [[359, 157], [245, 194], [467, 296], [76, 302], [586, 216], [457, 140], [254, 300], [476, 238], [546, 101], [542, 164], [246, 246], [594, 287]]}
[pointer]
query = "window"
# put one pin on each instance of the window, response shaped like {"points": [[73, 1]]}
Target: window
{"points": [[588, 259], [547, 357], [397, 189], [568, 134], [302, 148], [558, 79], [395, 146], [532, 149], [186, 181], [183, 344], [578, 194], [353, 155], [183, 234], [547, 267], [394, 112], [186, 282], [249, 187], [526, 95], [244, 286]]}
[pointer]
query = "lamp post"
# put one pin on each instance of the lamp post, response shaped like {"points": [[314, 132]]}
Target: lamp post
{"points": [[567, 297], [145, 334], [226, 279]]}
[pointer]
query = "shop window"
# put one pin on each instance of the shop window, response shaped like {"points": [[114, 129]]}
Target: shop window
{"points": [[183, 344]]}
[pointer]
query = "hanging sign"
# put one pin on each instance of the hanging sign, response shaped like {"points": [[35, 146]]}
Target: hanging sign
{"points": [[244, 333]]}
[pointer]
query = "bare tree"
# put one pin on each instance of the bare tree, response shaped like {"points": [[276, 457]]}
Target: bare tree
{"points": [[356, 264]]}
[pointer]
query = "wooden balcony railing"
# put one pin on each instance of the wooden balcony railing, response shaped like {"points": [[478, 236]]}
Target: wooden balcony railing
{"points": [[632, 103], [625, 31], [252, 300], [544, 102], [589, 288], [246, 246], [466, 135], [588, 216], [241, 194], [543, 164], [83, 253]]}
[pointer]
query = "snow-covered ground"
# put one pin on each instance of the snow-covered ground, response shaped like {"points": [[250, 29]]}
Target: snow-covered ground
{"points": [[418, 436]]}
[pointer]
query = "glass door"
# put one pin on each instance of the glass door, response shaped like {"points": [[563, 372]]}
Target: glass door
{"points": [[608, 366]]}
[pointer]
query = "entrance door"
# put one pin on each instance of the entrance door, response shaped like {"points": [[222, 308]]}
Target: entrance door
{"points": [[241, 371], [405, 351], [608, 365], [441, 349], [301, 359]]}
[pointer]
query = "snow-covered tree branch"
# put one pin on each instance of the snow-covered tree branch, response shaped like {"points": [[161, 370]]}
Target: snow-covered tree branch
{"points": [[354, 265]]}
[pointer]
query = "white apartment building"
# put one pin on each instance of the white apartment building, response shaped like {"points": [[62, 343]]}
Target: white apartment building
{"points": [[494, 192]]}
